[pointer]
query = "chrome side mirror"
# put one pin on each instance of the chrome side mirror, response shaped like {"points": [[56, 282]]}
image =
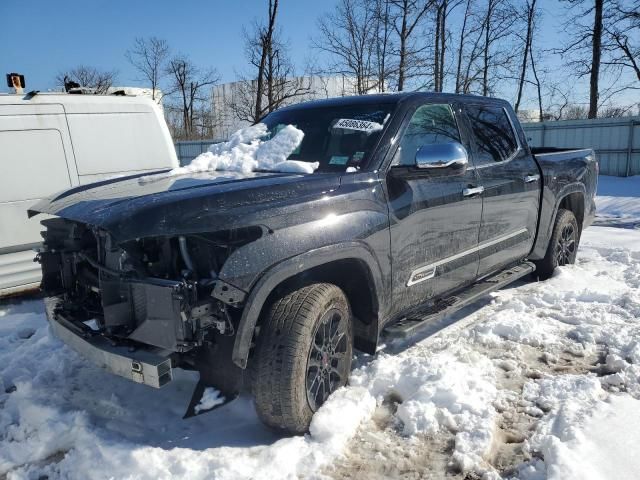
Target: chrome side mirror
{"points": [[450, 156]]}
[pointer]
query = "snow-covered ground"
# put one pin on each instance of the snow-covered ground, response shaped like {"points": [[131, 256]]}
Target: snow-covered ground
{"points": [[539, 380], [617, 201]]}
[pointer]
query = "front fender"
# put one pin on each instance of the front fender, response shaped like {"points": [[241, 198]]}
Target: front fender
{"points": [[280, 272]]}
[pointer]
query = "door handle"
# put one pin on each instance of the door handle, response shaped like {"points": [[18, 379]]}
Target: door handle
{"points": [[531, 178], [469, 192]]}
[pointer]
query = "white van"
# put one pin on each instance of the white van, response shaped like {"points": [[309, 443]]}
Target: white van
{"points": [[54, 141]]}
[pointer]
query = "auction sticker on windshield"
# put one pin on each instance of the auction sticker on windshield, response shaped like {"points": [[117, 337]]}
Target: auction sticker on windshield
{"points": [[361, 125]]}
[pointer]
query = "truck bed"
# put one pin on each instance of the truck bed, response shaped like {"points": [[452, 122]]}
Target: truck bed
{"points": [[560, 153]]}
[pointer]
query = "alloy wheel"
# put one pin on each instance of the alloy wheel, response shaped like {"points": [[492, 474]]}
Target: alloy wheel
{"points": [[566, 245], [327, 365]]}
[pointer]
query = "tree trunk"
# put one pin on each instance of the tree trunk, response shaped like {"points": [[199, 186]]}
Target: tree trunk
{"points": [[185, 112], [595, 59], [266, 50], [260, 87], [463, 32], [383, 54], [485, 55], [403, 49], [270, 74], [538, 87], [443, 39], [527, 45], [436, 56]]}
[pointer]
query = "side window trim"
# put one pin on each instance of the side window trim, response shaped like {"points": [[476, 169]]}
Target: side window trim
{"points": [[515, 153]]}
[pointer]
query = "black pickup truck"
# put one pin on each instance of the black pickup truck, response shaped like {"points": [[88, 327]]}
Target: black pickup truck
{"points": [[266, 281]]}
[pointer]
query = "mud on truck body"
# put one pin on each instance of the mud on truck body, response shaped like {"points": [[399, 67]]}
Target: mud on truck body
{"points": [[266, 281]]}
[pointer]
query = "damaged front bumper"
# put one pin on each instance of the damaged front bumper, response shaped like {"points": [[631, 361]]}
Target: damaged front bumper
{"points": [[151, 366]]}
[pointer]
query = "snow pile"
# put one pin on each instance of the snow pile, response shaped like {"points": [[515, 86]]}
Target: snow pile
{"points": [[569, 400], [604, 447], [582, 436], [246, 151], [451, 391], [61, 417], [210, 398]]}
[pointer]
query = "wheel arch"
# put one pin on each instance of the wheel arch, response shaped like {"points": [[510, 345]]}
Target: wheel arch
{"points": [[362, 286], [574, 202], [571, 197]]}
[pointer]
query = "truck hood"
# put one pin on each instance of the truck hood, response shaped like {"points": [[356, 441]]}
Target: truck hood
{"points": [[160, 204]]}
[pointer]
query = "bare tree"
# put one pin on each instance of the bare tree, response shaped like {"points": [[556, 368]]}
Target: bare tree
{"points": [[88, 77], [529, 16], [575, 112], [616, 111], [407, 16], [188, 85], [149, 56], [442, 9], [497, 52], [383, 42], [469, 51], [623, 37], [596, 53], [264, 44], [584, 48], [273, 82], [485, 51], [461, 42], [538, 84], [440, 45], [349, 36]]}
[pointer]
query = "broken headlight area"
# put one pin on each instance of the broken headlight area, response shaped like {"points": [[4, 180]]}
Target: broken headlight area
{"points": [[161, 291]]}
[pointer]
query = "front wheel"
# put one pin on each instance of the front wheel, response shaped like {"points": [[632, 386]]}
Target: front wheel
{"points": [[303, 354], [563, 245]]}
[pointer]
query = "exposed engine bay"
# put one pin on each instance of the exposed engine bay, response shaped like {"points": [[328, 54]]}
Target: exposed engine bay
{"points": [[161, 291]]}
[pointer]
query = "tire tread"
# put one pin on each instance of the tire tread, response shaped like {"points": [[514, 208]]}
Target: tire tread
{"points": [[281, 349]]}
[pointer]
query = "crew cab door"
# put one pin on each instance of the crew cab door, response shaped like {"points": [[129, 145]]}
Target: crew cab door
{"points": [[434, 214], [510, 179]]}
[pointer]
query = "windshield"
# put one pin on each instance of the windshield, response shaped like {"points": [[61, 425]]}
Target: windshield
{"points": [[336, 138]]}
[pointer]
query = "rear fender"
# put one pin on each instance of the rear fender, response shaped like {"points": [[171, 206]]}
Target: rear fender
{"points": [[549, 209]]}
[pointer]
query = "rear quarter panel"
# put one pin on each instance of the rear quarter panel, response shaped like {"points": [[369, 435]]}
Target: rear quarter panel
{"points": [[564, 173]]}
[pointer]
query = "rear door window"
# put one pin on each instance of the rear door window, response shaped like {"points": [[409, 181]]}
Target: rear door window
{"points": [[493, 133]]}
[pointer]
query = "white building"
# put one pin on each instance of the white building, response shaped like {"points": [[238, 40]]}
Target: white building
{"points": [[223, 96]]}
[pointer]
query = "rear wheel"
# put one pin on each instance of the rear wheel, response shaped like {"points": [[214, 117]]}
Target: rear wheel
{"points": [[563, 245], [303, 354]]}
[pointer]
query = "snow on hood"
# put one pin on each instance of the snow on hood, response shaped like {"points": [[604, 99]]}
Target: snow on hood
{"points": [[246, 151]]}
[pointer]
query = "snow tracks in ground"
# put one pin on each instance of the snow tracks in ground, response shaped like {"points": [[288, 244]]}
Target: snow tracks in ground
{"points": [[525, 391]]}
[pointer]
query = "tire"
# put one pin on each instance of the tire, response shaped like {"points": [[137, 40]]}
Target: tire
{"points": [[563, 245], [304, 346]]}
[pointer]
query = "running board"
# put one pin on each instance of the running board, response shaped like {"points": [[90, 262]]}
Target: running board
{"points": [[407, 327]]}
